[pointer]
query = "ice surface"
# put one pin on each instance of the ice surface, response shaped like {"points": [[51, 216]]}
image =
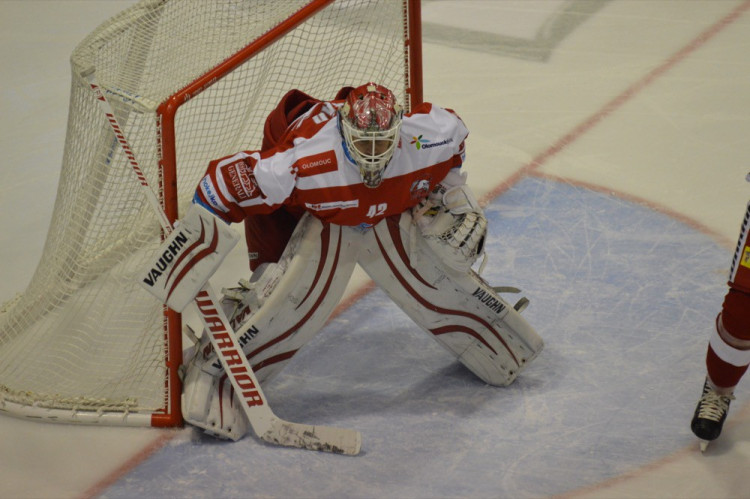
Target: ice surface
{"points": [[613, 293]]}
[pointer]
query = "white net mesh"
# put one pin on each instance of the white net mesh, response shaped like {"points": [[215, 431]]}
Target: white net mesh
{"points": [[84, 337]]}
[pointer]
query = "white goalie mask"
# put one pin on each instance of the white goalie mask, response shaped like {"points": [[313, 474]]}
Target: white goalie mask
{"points": [[370, 124]]}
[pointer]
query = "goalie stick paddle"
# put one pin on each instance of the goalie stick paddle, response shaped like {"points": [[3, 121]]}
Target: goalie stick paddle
{"points": [[265, 424]]}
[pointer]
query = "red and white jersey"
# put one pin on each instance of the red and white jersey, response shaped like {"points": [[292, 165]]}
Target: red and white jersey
{"points": [[310, 169]]}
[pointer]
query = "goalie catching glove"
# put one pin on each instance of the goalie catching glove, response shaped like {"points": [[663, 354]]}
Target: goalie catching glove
{"points": [[452, 223], [188, 258]]}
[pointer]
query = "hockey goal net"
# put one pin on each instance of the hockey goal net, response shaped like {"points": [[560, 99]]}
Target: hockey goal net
{"points": [[190, 81]]}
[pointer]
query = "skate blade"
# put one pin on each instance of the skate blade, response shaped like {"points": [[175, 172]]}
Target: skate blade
{"points": [[704, 445]]}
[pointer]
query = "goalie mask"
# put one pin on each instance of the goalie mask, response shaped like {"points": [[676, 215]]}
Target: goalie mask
{"points": [[370, 124]]}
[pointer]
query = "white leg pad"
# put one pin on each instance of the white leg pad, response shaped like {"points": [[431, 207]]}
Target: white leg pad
{"points": [[208, 402], [459, 309], [295, 298], [311, 277]]}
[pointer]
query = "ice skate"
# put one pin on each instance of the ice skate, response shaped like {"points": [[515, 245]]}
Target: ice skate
{"points": [[710, 414]]}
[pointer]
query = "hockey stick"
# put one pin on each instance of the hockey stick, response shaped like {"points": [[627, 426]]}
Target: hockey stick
{"points": [[265, 424]]}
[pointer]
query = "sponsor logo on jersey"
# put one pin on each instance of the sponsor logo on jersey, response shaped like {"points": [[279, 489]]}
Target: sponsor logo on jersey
{"points": [[437, 144], [489, 301], [333, 205], [243, 181], [420, 189], [421, 143], [211, 197], [316, 164]]}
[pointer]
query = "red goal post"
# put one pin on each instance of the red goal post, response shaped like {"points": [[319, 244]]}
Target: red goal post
{"points": [[189, 81]]}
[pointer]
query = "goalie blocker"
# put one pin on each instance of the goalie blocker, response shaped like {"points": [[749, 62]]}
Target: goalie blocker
{"points": [[188, 257], [287, 303]]}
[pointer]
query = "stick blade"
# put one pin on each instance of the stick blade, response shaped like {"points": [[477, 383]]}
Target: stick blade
{"points": [[312, 437]]}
